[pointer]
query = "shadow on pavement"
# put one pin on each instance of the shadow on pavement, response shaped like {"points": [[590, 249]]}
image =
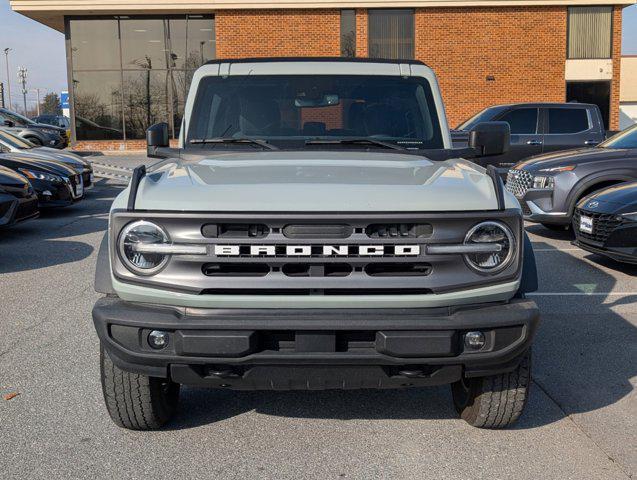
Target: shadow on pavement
{"points": [[41, 243]]}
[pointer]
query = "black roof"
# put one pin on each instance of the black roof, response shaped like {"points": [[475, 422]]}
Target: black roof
{"points": [[544, 104], [314, 59]]}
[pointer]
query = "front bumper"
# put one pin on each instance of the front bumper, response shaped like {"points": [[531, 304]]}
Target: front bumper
{"points": [[14, 210], [538, 206], [315, 348]]}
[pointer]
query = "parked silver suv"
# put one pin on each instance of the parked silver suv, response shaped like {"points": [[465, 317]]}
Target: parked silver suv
{"points": [[315, 230]]}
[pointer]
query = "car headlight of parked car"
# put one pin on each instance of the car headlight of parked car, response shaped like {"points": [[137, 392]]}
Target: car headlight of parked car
{"points": [[36, 175], [630, 216], [543, 182], [499, 247]]}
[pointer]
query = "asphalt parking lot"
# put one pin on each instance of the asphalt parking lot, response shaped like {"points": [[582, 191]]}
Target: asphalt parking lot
{"points": [[581, 422]]}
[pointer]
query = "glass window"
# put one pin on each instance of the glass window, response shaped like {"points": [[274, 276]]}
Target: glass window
{"points": [[589, 32], [521, 120], [391, 33], [201, 42], [158, 58], [145, 44], [483, 116], [568, 120], [98, 105], [94, 44], [146, 101], [348, 33], [294, 108]]}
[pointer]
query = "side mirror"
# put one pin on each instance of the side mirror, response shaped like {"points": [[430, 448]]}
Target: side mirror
{"points": [[490, 138], [157, 137], [8, 123]]}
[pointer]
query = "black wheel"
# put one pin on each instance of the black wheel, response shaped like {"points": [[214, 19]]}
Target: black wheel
{"points": [[35, 141], [134, 401], [496, 401], [557, 228]]}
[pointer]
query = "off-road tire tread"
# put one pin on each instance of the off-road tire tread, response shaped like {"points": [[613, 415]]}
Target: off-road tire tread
{"points": [[135, 401], [498, 401]]}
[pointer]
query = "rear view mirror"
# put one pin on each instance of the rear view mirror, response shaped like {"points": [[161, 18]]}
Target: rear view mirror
{"points": [[490, 138], [156, 137]]}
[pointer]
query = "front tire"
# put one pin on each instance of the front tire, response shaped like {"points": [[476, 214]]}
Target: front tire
{"points": [[137, 402], [496, 401]]}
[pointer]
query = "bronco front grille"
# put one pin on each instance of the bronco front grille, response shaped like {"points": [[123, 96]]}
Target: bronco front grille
{"points": [[316, 254], [519, 182]]}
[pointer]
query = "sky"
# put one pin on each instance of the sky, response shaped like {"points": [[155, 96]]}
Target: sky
{"points": [[41, 50]]}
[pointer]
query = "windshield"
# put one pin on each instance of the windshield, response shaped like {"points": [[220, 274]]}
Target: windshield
{"points": [[625, 139], [15, 117], [485, 115], [13, 141], [292, 110]]}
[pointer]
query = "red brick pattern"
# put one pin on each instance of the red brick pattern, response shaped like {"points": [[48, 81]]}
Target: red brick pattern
{"points": [[617, 52], [522, 48], [277, 33]]}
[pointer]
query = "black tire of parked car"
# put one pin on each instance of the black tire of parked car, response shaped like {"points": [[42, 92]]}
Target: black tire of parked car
{"points": [[137, 402], [496, 401]]}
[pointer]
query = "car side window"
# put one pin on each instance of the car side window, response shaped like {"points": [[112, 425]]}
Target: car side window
{"points": [[521, 120], [567, 120]]}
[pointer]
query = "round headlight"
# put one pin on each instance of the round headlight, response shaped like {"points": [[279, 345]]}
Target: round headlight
{"points": [[494, 234], [132, 237]]}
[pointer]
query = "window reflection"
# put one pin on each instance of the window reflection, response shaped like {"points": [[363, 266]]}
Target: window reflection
{"points": [[158, 59], [98, 105]]}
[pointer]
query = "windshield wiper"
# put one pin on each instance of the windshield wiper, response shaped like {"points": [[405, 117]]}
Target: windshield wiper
{"points": [[355, 141], [252, 141]]}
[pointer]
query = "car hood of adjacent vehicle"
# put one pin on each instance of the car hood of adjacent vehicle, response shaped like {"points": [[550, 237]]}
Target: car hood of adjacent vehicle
{"points": [[620, 198], [317, 182], [46, 153], [20, 160], [572, 157], [9, 178]]}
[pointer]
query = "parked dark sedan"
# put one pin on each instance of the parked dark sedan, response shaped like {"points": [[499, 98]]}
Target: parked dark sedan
{"points": [[18, 200], [550, 186], [36, 133], [14, 144], [56, 184], [606, 223]]}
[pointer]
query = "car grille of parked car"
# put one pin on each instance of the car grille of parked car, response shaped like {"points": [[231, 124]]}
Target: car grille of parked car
{"points": [[603, 225], [519, 182]]}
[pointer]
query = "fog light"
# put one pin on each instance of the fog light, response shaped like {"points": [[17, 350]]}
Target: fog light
{"points": [[474, 340], [158, 339]]}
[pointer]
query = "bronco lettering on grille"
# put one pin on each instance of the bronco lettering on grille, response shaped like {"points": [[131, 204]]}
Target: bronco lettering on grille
{"points": [[316, 250]]}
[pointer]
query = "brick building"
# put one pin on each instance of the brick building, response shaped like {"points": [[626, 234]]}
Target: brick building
{"points": [[129, 63]]}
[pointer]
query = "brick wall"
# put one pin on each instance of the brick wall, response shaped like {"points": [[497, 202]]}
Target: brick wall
{"points": [[277, 33], [617, 52], [522, 48]]}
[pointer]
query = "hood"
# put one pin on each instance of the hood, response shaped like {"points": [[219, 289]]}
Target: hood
{"points": [[571, 157], [620, 198], [317, 182], [45, 125], [9, 178], [46, 153], [22, 160]]}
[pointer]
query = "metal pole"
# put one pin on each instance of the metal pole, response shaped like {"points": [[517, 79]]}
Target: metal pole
{"points": [[22, 76], [6, 58], [37, 91]]}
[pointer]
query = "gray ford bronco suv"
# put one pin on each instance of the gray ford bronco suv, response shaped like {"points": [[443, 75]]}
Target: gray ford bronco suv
{"points": [[315, 230]]}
